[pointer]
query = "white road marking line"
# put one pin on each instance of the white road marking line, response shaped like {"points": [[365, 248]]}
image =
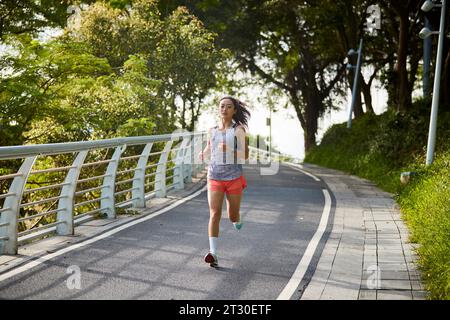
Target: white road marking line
{"points": [[50, 256], [300, 271], [299, 168]]}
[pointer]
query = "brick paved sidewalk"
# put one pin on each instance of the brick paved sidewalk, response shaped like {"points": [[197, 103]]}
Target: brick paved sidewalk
{"points": [[367, 255]]}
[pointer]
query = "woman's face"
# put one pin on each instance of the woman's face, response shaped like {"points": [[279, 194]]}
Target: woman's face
{"points": [[226, 109]]}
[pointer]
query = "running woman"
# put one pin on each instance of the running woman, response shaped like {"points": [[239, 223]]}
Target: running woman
{"points": [[228, 148]]}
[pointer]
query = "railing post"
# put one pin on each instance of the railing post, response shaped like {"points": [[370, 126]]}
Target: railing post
{"points": [[194, 155], [189, 160], [160, 177], [257, 148], [178, 171], [65, 203], [107, 204], [11, 208], [196, 150], [203, 143], [138, 194]]}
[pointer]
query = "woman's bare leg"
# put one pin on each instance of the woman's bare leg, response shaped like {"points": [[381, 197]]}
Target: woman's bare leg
{"points": [[233, 207], [215, 200]]}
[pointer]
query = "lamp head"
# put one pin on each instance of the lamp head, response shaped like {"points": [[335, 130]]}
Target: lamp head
{"points": [[351, 52], [427, 6], [425, 33]]}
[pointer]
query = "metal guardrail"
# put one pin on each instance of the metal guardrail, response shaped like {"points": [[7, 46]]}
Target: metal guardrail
{"points": [[60, 205], [266, 156]]}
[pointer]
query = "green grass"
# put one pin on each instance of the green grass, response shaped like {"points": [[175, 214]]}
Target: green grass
{"points": [[379, 148], [425, 204]]}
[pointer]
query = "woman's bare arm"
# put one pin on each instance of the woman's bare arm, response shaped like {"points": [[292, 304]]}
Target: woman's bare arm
{"points": [[205, 153], [242, 144]]}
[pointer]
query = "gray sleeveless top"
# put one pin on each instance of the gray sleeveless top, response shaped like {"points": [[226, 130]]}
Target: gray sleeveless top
{"points": [[223, 165]]}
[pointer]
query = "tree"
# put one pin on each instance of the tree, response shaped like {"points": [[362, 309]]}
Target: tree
{"points": [[402, 27], [277, 42], [187, 58], [347, 21], [59, 91], [35, 76], [116, 33], [180, 52], [27, 16]]}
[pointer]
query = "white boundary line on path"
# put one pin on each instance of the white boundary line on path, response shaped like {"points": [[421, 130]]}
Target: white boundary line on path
{"points": [[303, 265], [287, 292], [50, 256], [300, 168]]}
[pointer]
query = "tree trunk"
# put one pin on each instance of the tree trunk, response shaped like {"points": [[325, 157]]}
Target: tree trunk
{"points": [[310, 140], [190, 127], [194, 115], [311, 116], [173, 110], [357, 108], [183, 115], [403, 92], [391, 86], [365, 88], [309, 129]]}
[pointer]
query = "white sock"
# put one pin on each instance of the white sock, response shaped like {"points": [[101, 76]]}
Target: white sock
{"points": [[213, 244]]}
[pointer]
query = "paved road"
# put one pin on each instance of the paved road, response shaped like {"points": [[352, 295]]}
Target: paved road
{"points": [[161, 258]]}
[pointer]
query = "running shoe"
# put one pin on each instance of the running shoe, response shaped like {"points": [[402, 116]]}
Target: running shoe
{"points": [[211, 258], [238, 225]]}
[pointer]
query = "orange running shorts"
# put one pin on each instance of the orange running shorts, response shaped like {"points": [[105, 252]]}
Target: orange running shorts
{"points": [[235, 186]]}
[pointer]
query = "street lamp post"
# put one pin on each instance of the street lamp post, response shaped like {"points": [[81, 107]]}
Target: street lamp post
{"points": [[355, 81], [425, 32]]}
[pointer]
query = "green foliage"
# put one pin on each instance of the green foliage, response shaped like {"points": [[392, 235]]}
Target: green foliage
{"points": [[351, 151], [379, 148], [18, 17], [280, 42], [136, 127], [178, 51], [115, 33], [187, 60], [60, 91], [425, 203], [38, 78], [120, 71]]}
